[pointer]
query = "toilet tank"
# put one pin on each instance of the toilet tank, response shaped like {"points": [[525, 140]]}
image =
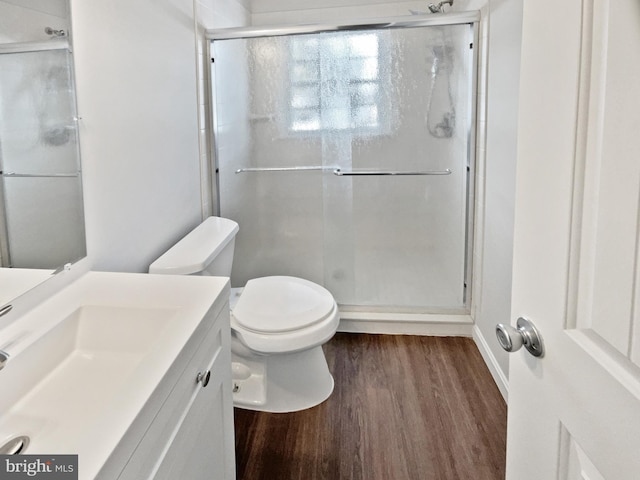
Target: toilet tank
{"points": [[206, 250]]}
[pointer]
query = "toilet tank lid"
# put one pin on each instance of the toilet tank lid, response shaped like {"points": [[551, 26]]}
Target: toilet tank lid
{"points": [[194, 252]]}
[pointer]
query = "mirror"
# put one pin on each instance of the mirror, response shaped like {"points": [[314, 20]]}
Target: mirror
{"points": [[41, 210]]}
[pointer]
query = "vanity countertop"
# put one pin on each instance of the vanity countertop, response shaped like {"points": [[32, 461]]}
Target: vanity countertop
{"points": [[16, 281]]}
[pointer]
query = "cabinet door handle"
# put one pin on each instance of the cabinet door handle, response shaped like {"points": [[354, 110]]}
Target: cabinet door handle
{"points": [[203, 378]]}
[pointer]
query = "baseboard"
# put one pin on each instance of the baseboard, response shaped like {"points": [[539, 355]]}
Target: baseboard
{"points": [[498, 375], [406, 324]]}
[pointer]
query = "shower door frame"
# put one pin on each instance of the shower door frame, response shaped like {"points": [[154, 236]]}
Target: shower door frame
{"points": [[351, 312]]}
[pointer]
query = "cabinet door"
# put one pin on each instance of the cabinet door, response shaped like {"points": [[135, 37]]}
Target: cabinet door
{"points": [[203, 446]]}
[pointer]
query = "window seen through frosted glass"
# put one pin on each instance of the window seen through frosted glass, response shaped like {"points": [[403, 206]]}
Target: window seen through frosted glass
{"points": [[335, 83]]}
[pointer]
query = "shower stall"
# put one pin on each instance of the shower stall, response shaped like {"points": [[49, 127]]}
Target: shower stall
{"points": [[346, 155]]}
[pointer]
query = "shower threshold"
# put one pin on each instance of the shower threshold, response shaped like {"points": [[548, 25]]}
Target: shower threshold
{"points": [[358, 320]]}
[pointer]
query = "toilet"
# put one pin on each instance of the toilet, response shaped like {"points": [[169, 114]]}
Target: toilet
{"points": [[278, 324]]}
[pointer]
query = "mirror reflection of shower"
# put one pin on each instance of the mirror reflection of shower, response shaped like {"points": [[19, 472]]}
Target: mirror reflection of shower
{"points": [[41, 205]]}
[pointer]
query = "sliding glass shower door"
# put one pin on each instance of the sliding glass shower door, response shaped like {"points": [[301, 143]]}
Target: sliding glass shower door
{"points": [[345, 158]]}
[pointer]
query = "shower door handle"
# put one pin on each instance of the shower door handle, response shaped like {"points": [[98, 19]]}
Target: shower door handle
{"points": [[338, 172], [283, 169], [353, 173], [38, 175]]}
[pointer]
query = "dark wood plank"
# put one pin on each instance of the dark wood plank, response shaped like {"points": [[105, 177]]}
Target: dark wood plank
{"points": [[404, 407]]}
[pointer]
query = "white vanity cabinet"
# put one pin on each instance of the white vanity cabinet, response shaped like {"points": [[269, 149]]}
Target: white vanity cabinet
{"points": [[131, 372], [190, 436]]}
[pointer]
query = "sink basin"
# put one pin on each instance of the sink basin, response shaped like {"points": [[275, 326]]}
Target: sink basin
{"points": [[83, 364], [88, 358]]}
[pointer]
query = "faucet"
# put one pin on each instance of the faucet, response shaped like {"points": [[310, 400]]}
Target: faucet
{"points": [[439, 8]]}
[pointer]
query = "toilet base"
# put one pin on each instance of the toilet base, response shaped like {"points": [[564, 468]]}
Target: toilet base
{"points": [[281, 383]]}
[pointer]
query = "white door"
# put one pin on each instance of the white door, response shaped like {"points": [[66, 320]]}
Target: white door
{"points": [[575, 413]]}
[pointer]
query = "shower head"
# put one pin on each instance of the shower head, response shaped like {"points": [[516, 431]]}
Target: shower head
{"points": [[439, 8]]}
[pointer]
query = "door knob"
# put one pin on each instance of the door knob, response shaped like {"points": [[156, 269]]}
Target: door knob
{"points": [[203, 378], [525, 333]]}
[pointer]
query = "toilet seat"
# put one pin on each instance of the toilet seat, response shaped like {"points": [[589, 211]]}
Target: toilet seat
{"points": [[284, 314], [282, 304]]}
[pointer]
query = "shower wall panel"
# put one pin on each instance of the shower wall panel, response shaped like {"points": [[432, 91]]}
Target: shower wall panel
{"points": [[395, 100]]}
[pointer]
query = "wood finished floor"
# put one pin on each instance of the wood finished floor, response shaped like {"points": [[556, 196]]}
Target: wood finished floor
{"points": [[403, 408]]}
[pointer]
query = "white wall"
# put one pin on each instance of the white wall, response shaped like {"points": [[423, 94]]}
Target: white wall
{"points": [[57, 8], [495, 242], [274, 12], [143, 131], [306, 12], [136, 84], [223, 13]]}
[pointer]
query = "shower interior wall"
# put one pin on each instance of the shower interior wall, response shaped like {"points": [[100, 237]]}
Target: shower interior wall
{"points": [[498, 79]]}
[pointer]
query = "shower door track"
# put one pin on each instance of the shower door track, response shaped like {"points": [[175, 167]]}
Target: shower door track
{"points": [[407, 21], [28, 47]]}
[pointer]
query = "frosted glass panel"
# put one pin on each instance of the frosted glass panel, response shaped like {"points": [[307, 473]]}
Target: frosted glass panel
{"points": [[394, 100], [37, 127], [280, 213]]}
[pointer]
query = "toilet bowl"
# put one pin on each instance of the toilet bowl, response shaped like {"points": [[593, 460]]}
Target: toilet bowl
{"points": [[278, 324]]}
